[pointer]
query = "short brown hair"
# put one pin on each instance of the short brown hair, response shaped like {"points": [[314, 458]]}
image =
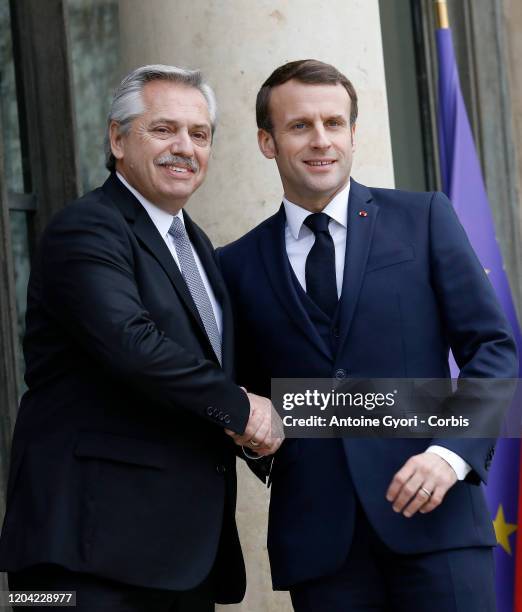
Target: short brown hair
{"points": [[307, 71]]}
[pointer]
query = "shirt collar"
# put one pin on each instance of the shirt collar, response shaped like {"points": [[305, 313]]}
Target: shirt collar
{"points": [[337, 209], [161, 219]]}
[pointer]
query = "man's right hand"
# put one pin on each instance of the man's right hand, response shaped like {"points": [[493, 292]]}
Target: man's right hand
{"points": [[264, 431]]}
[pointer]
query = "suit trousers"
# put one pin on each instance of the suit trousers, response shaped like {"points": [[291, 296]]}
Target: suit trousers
{"points": [[96, 594], [377, 579]]}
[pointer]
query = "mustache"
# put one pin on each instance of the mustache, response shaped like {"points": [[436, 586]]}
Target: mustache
{"points": [[170, 160]]}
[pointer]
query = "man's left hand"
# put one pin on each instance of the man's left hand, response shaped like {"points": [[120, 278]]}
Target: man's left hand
{"points": [[421, 484]]}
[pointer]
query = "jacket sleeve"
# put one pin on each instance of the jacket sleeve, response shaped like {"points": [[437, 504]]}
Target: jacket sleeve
{"points": [[479, 335], [89, 288]]}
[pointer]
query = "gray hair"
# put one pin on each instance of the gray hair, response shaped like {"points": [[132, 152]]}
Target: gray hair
{"points": [[127, 103]]}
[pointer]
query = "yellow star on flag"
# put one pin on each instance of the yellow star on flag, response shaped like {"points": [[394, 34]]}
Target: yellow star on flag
{"points": [[503, 530]]}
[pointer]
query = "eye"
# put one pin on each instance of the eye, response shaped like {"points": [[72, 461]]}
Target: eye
{"points": [[335, 123], [299, 126], [161, 130], [201, 136]]}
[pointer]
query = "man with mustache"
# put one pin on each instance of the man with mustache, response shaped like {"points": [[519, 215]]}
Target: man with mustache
{"points": [[122, 484], [347, 281]]}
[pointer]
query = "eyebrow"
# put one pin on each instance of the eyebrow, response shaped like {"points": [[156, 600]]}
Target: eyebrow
{"points": [[338, 118], [297, 119], [161, 120], [303, 119], [201, 126]]}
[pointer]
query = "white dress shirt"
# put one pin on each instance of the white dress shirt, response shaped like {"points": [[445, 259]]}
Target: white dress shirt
{"points": [[299, 240], [163, 220]]}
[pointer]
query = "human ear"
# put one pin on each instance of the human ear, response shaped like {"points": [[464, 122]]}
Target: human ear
{"points": [[266, 143], [116, 140]]}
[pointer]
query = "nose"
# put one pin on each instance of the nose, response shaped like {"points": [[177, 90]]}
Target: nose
{"points": [[320, 138], [181, 143]]}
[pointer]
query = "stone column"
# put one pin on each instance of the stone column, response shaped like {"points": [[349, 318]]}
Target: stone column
{"points": [[513, 30], [237, 44]]}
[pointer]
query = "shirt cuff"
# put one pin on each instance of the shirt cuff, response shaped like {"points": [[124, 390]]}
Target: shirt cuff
{"points": [[461, 468]]}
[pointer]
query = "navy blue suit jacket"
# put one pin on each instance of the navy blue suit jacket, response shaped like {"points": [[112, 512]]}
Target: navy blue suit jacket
{"points": [[412, 289]]}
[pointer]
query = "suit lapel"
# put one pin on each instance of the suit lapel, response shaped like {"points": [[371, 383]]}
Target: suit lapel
{"points": [[227, 346], [148, 235], [362, 214], [273, 253]]}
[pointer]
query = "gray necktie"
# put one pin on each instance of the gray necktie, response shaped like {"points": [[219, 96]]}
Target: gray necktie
{"points": [[190, 272]]}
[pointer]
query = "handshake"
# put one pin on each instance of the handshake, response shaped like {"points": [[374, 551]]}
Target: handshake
{"points": [[264, 431]]}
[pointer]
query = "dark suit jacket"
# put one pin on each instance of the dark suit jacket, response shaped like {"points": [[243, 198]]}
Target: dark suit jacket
{"points": [[412, 288], [120, 465]]}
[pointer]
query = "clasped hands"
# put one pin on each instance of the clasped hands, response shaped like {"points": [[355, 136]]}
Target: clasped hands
{"points": [[419, 486], [264, 431]]}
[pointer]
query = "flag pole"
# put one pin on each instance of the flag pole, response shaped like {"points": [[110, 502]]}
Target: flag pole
{"points": [[442, 14]]}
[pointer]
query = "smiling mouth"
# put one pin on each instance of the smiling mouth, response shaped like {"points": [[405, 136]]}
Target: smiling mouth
{"points": [[319, 162], [179, 169]]}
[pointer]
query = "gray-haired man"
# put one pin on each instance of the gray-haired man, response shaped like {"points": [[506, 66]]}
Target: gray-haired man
{"points": [[122, 484]]}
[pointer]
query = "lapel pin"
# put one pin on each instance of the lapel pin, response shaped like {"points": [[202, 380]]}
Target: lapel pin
{"points": [[363, 213]]}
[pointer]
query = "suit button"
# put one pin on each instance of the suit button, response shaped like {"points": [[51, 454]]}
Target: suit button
{"points": [[226, 419], [210, 411], [220, 468], [335, 332], [340, 373]]}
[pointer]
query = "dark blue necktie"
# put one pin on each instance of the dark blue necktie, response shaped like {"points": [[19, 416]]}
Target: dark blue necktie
{"points": [[321, 284]]}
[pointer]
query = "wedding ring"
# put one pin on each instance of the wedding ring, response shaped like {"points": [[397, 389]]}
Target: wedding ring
{"points": [[253, 443], [424, 490]]}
